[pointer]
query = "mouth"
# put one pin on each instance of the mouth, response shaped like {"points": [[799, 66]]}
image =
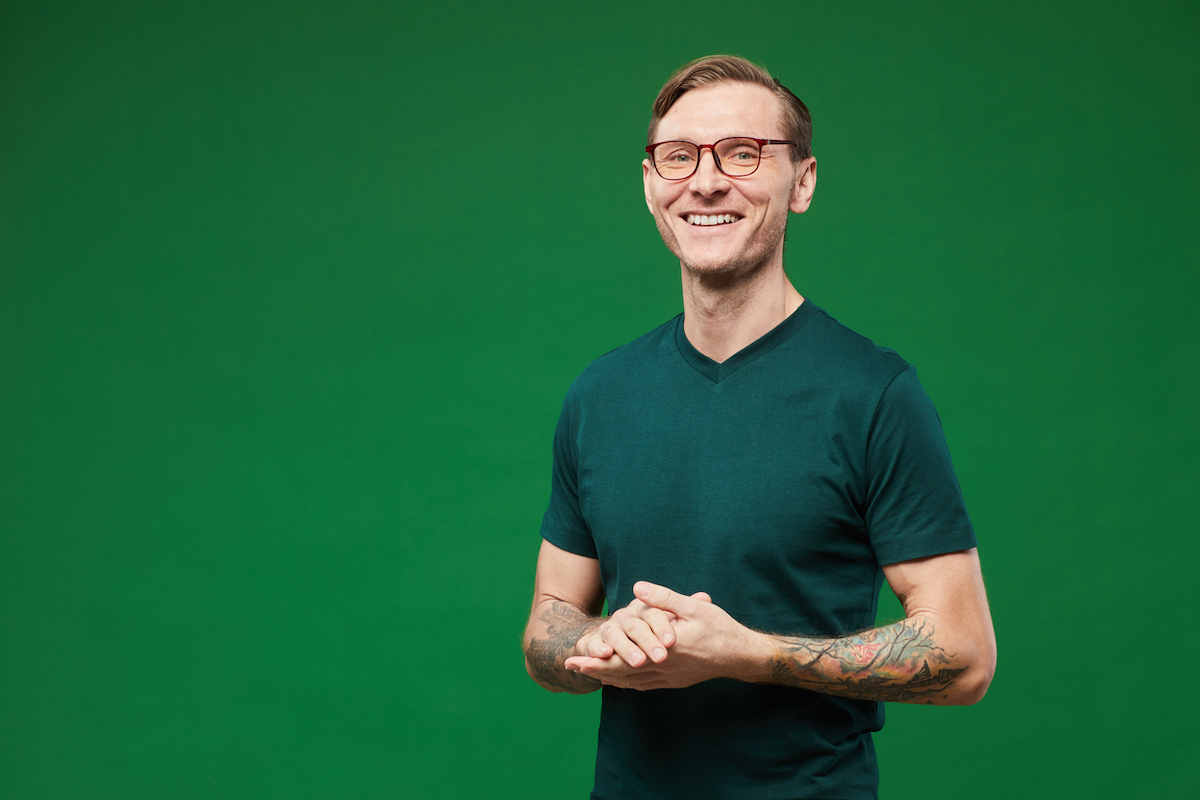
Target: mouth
{"points": [[707, 220]]}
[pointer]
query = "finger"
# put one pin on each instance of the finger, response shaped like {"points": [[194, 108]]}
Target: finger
{"points": [[598, 648], [622, 645], [590, 665], [660, 623], [638, 609], [643, 679], [661, 597], [625, 677], [646, 638], [612, 668], [703, 597], [581, 663], [592, 645]]}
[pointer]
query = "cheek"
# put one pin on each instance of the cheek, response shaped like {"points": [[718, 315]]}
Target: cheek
{"points": [[773, 207], [665, 193]]}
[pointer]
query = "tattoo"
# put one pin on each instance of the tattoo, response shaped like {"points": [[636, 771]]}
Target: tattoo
{"points": [[901, 663], [565, 624]]}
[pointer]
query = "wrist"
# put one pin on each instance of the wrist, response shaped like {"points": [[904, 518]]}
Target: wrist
{"points": [[753, 664], [587, 631]]}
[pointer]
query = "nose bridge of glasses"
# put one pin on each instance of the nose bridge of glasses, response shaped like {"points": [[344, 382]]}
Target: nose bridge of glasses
{"points": [[716, 159]]}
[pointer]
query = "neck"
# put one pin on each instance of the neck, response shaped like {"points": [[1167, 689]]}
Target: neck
{"points": [[724, 313]]}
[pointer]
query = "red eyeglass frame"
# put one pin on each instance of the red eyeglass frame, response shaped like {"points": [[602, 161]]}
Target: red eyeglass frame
{"points": [[716, 159]]}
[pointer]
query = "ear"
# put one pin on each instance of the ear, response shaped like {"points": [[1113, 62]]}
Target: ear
{"points": [[647, 174], [804, 186]]}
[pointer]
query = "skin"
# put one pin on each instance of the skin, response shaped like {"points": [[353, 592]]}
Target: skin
{"points": [[734, 286], [942, 653], [734, 291]]}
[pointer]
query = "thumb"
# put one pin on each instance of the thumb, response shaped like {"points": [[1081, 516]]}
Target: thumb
{"points": [[661, 597], [703, 597]]}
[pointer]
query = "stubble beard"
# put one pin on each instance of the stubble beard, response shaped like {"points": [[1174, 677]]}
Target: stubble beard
{"points": [[744, 265]]}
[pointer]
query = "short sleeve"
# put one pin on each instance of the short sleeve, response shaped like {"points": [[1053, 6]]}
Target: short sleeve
{"points": [[914, 503], [563, 524]]}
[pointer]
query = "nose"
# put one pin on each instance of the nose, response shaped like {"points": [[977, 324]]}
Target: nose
{"points": [[707, 179]]}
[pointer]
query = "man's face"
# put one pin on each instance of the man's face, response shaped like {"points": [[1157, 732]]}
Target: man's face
{"points": [[758, 203]]}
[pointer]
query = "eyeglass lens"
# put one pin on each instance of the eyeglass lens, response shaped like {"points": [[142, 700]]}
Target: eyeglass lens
{"points": [[678, 160]]}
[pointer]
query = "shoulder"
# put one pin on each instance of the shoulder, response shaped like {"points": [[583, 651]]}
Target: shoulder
{"points": [[847, 356], [645, 355]]}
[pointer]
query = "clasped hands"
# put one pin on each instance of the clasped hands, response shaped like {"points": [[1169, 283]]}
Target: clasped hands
{"points": [[665, 640]]}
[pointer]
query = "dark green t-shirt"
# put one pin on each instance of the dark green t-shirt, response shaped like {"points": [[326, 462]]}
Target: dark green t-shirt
{"points": [[777, 481]]}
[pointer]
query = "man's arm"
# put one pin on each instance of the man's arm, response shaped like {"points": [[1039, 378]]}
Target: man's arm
{"points": [[567, 597], [942, 653]]}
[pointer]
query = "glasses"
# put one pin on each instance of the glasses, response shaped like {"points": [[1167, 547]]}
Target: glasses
{"points": [[737, 157]]}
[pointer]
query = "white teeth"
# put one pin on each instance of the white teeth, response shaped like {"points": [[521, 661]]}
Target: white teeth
{"points": [[704, 219]]}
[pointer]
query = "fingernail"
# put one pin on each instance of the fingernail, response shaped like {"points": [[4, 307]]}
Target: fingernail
{"points": [[659, 654], [668, 638], [635, 659]]}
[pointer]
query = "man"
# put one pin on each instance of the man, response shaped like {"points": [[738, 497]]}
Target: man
{"points": [[736, 484]]}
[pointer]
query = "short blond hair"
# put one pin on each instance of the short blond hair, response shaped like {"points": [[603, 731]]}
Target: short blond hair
{"points": [[711, 70]]}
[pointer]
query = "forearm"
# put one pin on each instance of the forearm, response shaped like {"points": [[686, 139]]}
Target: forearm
{"points": [[911, 661], [554, 629]]}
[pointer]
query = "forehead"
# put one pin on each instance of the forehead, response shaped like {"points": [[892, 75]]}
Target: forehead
{"points": [[726, 109]]}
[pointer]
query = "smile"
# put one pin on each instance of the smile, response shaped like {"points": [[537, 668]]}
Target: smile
{"points": [[715, 219]]}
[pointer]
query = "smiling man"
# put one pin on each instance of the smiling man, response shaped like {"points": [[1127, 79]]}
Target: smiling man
{"points": [[737, 484]]}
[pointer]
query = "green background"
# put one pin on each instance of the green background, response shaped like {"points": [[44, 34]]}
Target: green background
{"points": [[290, 294]]}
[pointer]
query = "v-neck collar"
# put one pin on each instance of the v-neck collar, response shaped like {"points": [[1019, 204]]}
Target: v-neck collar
{"points": [[717, 372]]}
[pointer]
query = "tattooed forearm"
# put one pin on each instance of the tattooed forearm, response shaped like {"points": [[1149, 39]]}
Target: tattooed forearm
{"points": [[900, 662], [548, 644]]}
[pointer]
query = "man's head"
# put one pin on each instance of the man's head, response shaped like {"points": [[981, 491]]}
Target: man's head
{"points": [[727, 217], [710, 70]]}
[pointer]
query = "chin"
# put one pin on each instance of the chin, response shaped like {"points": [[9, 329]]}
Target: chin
{"points": [[711, 266], [745, 261], [710, 263], [729, 266]]}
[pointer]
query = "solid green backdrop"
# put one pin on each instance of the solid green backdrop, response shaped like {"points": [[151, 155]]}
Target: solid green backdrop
{"points": [[290, 294]]}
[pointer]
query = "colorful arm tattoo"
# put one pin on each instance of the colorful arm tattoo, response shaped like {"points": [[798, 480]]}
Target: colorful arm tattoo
{"points": [[900, 662]]}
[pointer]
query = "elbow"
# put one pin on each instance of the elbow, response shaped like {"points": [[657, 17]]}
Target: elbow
{"points": [[533, 674], [972, 690], [533, 665], [539, 664], [974, 682]]}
